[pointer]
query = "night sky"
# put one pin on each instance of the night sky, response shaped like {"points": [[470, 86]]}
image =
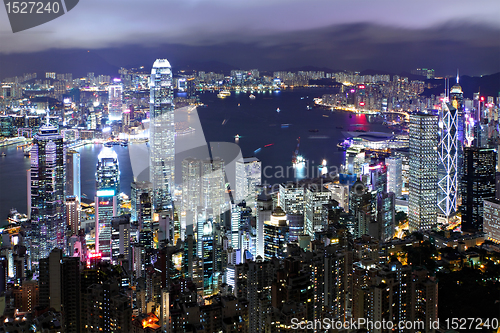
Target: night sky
{"points": [[386, 35]]}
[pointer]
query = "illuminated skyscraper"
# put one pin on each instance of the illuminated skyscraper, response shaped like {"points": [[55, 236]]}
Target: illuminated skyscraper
{"points": [[115, 101], [73, 213], [47, 193], [106, 201], [448, 151], [162, 134], [394, 175], [73, 183], [478, 184], [276, 234], [422, 210]]}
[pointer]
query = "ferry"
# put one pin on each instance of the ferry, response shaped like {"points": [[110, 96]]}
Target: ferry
{"points": [[278, 110], [252, 96], [27, 151], [224, 94], [323, 168]]}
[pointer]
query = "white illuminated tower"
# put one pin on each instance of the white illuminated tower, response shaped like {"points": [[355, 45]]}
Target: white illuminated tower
{"points": [[448, 153], [162, 134], [115, 93], [106, 200], [422, 210], [47, 181]]}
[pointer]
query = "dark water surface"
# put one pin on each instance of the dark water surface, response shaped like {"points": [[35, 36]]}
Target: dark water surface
{"points": [[256, 121]]}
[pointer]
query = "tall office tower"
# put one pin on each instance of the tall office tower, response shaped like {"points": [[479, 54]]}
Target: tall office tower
{"points": [[191, 192], [47, 193], [73, 178], [422, 210], [202, 216], [213, 185], [276, 235], [208, 244], [121, 240], [162, 135], [478, 184], [291, 198], [448, 151], [315, 198], [248, 177], [240, 215], [361, 205], [385, 217], [394, 175], [106, 201], [139, 192], [115, 93], [73, 214], [457, 101], [59, 285], [259, 279], [491, 219]]}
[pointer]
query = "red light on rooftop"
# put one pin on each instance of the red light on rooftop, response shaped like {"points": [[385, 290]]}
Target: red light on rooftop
{"points": [[482, 99], [362, 86], [362, 103]]}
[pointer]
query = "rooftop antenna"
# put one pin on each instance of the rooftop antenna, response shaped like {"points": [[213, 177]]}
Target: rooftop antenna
{"points": [[458, 76], [48, 118]]}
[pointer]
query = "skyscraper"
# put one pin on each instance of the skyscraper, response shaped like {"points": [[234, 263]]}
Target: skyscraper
{"points": [[115, 101], [73, 214], [162, 134], [47, 193], [73, 182], [478, 184], [394, 175], [422, 210], [106, 201], [448, 151]]}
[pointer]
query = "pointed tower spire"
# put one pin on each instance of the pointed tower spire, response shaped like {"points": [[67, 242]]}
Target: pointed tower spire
{"points": [[48, 118], [458, 76]]}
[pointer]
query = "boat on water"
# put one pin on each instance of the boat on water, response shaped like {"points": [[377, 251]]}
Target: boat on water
{"points": [[124, 143], [257, 150], [224, 94], [278, 110], [237, 136], [268, 145], [108, 144], [252, 96], [323, 168], [3, 154]]}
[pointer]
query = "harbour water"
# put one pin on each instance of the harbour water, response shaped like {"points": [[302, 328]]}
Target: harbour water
{"points": [[263, 132]]}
